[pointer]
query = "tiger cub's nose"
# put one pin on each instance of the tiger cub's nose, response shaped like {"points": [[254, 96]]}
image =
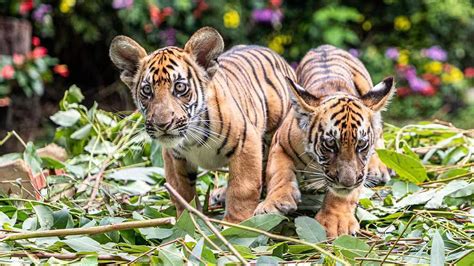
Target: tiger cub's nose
{"points": [[163, 126]]}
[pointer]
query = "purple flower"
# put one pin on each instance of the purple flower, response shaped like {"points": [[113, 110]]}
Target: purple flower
{"points": [[417, 84], [435, 53], [354, 52], [294, 65], [267, 15], [40, 12], [168, 36], [392, 53], [121, 4]]}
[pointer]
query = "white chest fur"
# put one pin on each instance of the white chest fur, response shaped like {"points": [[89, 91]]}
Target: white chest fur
{"points": [[206, 156]]}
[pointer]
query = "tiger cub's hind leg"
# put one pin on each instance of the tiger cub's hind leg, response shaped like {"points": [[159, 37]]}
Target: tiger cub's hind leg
{"points": [[283, 194], [182, 177]]}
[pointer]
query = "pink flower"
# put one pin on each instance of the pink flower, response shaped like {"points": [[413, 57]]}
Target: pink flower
{"points": [[39, 52], [403, 91], [35, 41], [61, 70], [469, 72], [8, 72], [26, 6], [18, 59]]}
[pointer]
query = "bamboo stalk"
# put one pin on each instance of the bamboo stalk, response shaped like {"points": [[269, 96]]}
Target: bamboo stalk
{"points": [[90, 230]]}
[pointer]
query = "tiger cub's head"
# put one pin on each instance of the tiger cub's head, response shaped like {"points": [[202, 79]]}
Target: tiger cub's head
{"points": [[341, 131], [169, 84]]}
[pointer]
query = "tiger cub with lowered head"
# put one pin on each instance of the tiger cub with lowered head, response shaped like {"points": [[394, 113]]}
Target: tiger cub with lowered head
{"points": [[209, 109], [328, 138]]}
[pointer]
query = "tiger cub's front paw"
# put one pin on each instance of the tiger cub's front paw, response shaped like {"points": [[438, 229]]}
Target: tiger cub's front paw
{"points": [[337, 223], [378, 172], [283, 202]]}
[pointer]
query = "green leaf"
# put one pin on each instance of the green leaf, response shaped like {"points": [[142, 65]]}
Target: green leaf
{"points": [[420, 197], [453, 186], [83, 244], [51, 163], [467, 260], [87, 261], [73, 95], [30, 156], [437, 250], [264, 222], [62, 219], [401, 188], [351, 247], [407, 167], [99, 147], [45, 216], [153, 232], [66, 118], [364, 215], [4, 219], [9, 157], [267, 260], [463, 192], [82, 132], [171, 256], [309, 229], [156, 155]]}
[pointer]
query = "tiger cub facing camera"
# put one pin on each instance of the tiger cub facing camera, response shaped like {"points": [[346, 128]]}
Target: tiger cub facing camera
{"points": [[209, 109], [328, 138]]}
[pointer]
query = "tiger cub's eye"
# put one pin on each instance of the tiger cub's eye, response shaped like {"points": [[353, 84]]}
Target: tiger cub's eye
{"points": [[180, 88], [362, 145], [146, 91], [330, 144]]}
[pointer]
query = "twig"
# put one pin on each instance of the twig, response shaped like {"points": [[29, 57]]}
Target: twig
{"points": [[90, 230], [398, 239], [282, 238], [98, 179], [362, 259], [207, 222], [448, 179], [214, 245], [152, 250]]}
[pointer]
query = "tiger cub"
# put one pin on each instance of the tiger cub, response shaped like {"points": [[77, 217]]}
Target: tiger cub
{"points": [[328, 138], [209, 109]]}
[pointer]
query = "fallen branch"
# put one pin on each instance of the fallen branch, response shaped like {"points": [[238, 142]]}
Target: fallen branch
{"points": [[69, 256], [90, 230], [206, 221], [282, 238]]}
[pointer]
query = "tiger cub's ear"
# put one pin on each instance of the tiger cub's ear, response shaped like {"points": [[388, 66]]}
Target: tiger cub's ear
{"points": [[379, 96], [126, 55], [206, 45], [303, 103]]}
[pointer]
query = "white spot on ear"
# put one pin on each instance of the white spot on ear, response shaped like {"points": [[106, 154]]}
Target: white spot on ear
{"points": [[379, 87]]}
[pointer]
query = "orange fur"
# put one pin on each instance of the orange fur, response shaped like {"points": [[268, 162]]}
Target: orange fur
{"points": [[209, 109], [328, 138]]}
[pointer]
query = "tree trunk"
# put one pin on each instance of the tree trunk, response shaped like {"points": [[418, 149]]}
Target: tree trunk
{"points": [[15, 36]]}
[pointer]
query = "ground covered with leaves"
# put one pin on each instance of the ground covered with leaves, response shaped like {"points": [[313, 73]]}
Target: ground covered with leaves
{"points": [[114, 175]]}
